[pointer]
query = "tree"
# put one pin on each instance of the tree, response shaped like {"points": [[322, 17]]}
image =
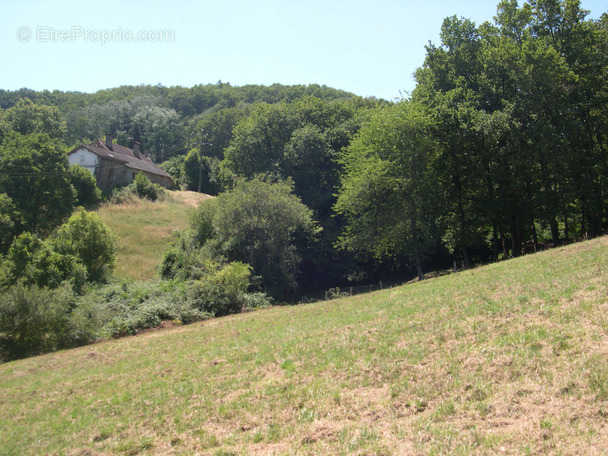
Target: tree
{"points": [[34, 262], [28, 118], [10, 222], [88, 238], [201, 173], [35, 175], [264, 225], [386, 195]]}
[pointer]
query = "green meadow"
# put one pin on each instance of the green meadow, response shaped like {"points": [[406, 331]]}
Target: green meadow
{"points": [[510, 358], [145, 228]]}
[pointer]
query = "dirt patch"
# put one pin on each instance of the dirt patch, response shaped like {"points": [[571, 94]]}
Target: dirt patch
{"points": [[192, 199]]}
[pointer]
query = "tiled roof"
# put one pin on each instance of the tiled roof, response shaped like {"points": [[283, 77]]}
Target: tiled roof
{"points": [[125, 155]]}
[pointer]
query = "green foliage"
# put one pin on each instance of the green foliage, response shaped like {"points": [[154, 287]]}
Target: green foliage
{"points": [[144, 188], [130, 307], [35, 175], [386, 195], [10, 222], [28, 118], [141, 187], [201, 222], [20, 255], [260, 224], [86, 237], [175, 167], [223, 291], [34, 262], [35, 320], [201, 173], [87, 191], [257, 223]]}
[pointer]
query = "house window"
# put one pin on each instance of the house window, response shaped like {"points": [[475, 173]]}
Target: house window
{"points": [[81, 158]]}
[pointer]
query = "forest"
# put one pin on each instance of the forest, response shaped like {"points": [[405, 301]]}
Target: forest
{"points": [[500, 150]]}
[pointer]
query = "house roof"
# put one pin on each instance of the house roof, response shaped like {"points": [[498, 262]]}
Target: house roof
{"points": [[124, 155]]}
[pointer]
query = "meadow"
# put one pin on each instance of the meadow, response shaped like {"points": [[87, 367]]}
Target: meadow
{"points": [[145, 228], [510, 358]]}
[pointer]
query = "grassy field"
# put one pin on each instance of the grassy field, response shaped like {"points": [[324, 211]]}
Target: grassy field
{"points": [[144, 229], [511, 358]]}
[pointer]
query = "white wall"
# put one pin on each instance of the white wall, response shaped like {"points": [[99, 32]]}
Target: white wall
{"points": [[84, 158]]}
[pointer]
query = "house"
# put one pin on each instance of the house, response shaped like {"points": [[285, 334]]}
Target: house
{"points": [[114, 165]]}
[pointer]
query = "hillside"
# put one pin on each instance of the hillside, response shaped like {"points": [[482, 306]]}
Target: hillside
{"points": [[505, 359], [144, 230]]}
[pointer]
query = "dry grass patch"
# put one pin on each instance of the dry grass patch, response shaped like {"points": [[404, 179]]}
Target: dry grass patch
{"points": [[145, 228]]}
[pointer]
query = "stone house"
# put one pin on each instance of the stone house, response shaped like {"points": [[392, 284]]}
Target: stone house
{"points": [[114, 165]]}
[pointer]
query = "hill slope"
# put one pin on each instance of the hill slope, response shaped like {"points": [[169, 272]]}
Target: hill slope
{"points": [[511, 358], [144, 230]]}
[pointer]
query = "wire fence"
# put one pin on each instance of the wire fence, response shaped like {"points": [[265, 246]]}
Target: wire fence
{"points": [[342, 292]]}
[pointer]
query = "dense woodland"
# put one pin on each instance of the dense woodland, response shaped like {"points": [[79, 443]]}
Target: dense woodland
{"points": [[500, 150]]}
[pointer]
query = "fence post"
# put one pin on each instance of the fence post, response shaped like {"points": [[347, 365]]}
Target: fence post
{"points": [[381, 284], [351, 291], [326, 295]]}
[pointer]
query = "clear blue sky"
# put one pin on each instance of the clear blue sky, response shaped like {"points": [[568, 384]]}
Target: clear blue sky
{"points": [[367, 47]]}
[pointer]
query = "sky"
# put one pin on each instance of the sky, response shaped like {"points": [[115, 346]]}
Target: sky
{"points": [[370, 48]]}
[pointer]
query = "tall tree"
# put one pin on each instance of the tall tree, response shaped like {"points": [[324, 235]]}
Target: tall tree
{"points": [[35, 176], [386, 194], [29, 118]]}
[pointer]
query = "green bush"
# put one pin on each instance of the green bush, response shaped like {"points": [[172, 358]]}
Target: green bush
{"points": [[85, 184], [144, 188], [127, 308], [141, 187], [11, 222], [36, 320], [222, 292], [254, 301]]}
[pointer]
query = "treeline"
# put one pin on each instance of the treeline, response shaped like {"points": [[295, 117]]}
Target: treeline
{"points": [[163, 119]]}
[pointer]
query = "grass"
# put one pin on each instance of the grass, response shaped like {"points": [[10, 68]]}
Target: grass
{"points": [[144, 230], [511, 358]]}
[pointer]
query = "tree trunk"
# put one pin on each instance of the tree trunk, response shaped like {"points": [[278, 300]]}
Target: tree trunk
{"points": [[494, 242], [465, 256], [554, 231], [417, 253]]}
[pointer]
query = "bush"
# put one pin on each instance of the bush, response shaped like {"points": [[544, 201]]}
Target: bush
{"points": [[36, 320], [127, 308], [141, 187], [222, 292], [31, 261], [253, 301], [10, 222], [144, 188], [85, 184]]}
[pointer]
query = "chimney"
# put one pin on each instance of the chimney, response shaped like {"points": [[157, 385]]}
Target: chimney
{"points": [[136, 149], [109, 140]]}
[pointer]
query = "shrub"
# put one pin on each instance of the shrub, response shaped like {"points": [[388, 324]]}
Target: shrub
{"points": [[10, 222], [144, 188], [127, 308], [222, 292], [85, 184], [32, 261], [36, 320], [141, 187], [253, 301]]}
